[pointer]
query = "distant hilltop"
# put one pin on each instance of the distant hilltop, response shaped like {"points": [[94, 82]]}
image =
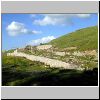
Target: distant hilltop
{"points": [[83, 39]]}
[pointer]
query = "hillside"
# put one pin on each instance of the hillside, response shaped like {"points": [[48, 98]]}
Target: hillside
{"points": [[18, 71], [57, 63], [83, 39]]}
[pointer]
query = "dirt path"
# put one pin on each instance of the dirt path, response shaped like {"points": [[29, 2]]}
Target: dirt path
{"points": [[45, 60]]}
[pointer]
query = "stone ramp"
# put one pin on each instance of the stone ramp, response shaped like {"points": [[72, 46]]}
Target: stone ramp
{"points": [[45, 60]]}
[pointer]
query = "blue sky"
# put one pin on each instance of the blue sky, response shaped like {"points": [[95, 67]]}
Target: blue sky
{"points": [[19, 30]]}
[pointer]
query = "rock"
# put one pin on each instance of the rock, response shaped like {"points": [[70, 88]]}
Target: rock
{"points": [[59, 53], [46, 61], [91, 52], [77, 53], [44, 47]]}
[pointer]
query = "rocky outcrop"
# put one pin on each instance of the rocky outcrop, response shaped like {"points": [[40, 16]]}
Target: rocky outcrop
{"points": [[45, 60], [92, 53], [60, 53], [44, 47], [77, 53]]}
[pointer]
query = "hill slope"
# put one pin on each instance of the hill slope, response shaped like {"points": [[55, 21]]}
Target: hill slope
{"points": [[83, 39]]}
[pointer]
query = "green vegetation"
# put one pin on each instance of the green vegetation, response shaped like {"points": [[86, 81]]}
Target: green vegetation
{"points": [[9, 51], [83, 39], [21, 64], [18, 71], [87, 61]]}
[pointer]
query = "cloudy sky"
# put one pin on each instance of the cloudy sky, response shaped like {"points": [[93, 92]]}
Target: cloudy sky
{"points": [[19, 30]]}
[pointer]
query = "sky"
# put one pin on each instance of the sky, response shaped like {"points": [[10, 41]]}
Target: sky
{"points": [[19, 30]]}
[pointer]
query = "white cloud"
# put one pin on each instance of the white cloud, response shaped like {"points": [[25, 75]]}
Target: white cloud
{"points": [[36, 32], [16, 28], [83, 15], [42, 40], [58, 19]]}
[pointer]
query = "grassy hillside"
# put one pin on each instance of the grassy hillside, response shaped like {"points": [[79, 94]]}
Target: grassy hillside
{"points": [[83, 39], [18, 71]]}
